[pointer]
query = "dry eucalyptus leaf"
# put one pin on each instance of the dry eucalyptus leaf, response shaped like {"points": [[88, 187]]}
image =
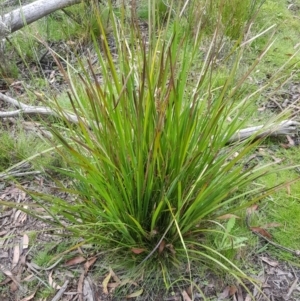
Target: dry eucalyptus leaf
{"points": [[185, 296], [135, 294], [16, 256], [25, 241], [75, 260], [269, 261], [105, 283], [262, 232]]}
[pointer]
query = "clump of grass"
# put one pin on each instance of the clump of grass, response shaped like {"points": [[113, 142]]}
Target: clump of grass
{"points": [[149, 158], [232, 17]]}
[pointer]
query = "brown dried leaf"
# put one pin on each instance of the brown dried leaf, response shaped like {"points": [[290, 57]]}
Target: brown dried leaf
{"points": [[227, 216], [75, 260], [189, 290], [262, 232], [137, 250], [113, 285], [13, 287], [232, 290], [269, 262], [89, 263], [161, 246]]}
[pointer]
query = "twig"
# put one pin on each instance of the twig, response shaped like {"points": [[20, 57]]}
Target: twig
{"points": [[26, 109], [4, 175], [61, 291], [294, 252]]}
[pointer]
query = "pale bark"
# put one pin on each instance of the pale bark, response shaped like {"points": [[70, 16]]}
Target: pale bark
{"points": [[286, 127], [29, 13], [29, 110]]}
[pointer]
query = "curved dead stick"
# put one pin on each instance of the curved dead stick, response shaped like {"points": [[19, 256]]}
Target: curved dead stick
{"points": [[29, 110], [286, 127]]}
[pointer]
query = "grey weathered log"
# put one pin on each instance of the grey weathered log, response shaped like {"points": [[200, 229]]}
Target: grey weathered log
{"points": [[286, 127], [32, 110], [27, 14]]}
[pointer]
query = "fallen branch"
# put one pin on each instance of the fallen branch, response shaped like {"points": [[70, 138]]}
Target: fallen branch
{"points": [[29, 110], [286, 127], [4, 176], [30, 13]]}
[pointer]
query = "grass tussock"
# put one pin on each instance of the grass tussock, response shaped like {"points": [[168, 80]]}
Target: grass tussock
{"points": [[150, 160]]}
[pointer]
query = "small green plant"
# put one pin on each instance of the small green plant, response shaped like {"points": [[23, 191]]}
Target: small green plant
{"points": [[226, 242], [46, 293], [42, 258]]}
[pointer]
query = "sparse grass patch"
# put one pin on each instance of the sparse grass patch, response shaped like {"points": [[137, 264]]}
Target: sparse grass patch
{"points": [[45, 293], [19, 145]]}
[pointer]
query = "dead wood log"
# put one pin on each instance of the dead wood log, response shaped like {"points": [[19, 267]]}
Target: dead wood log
{"points": [[32, 110], [286, 127], [29, 13]]}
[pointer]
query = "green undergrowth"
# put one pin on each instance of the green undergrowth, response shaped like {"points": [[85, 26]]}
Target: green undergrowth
{"points": [[285, 16], [18, 145]]}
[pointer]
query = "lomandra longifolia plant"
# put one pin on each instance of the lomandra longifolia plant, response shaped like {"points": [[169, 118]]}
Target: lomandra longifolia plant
{"points": [[149, 157]]}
